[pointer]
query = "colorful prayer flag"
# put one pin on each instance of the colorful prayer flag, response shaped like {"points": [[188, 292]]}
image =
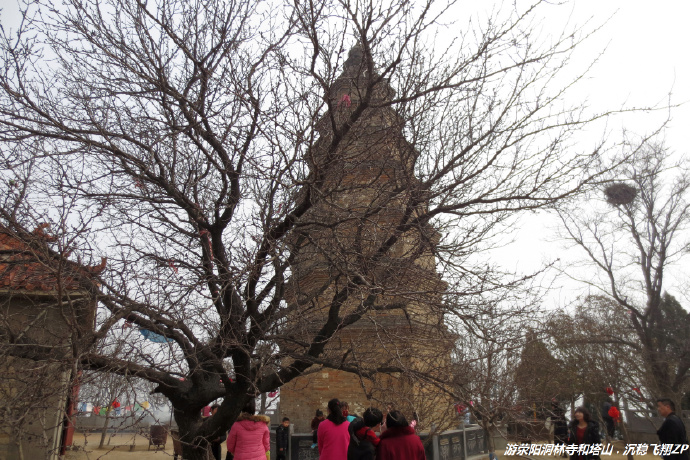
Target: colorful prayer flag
{"points": [[154, 337]]}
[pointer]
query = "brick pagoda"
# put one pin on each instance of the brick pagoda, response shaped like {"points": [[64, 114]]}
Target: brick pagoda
{"points": [[366, 187]]}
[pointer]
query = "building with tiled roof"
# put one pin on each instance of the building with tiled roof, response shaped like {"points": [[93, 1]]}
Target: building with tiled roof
{"points": [[42, 303]]}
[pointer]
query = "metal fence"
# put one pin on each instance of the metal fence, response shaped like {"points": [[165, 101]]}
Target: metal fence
{"points": [[448, 445]]}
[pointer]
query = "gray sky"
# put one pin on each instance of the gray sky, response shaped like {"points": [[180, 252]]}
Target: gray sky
{"points": [[647, 56]]}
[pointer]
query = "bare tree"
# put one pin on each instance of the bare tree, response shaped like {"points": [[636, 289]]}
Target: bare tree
{"points": [[593, 340], [492, 337], [204, 148], [635, 239]]}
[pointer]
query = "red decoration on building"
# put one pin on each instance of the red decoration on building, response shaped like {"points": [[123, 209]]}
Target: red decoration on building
{"points": [[345, 100]]}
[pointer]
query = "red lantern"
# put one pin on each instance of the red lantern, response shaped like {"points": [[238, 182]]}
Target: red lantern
{"points": [[609, 391], [614, 413]]}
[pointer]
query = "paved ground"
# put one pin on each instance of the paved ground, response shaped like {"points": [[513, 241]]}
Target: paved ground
{"points": [[119, 449]]}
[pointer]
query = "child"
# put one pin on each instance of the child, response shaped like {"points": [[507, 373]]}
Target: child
{"points": [[315, 427], [345, 407], [363, 440], [282, 438]]}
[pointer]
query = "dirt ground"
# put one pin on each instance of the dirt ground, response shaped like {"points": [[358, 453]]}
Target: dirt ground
{"points": [[119, 448]]}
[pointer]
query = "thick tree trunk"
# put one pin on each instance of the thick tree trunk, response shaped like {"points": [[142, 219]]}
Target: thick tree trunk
{"points": [[194, 447]]}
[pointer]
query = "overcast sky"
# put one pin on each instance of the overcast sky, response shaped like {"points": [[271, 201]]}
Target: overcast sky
{"points": [[647, 57]]}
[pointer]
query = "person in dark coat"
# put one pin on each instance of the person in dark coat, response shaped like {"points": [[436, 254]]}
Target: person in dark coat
{"points": [[560, 425], [399, 441], [583, 430], [315, 426], [363, 440], [609, 422], [283, 438], [672, 431], [217, 442]]}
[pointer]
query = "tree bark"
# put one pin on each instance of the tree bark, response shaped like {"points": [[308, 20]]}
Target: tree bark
{"points": [[194, 447], [105, 429]]}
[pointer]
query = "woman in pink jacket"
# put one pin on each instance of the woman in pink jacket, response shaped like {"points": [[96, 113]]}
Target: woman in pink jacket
{"points": [[249, 438], [333, 434]]}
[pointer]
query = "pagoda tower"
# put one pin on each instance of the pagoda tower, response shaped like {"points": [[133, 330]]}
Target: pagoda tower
{"points": [[362, 237]]}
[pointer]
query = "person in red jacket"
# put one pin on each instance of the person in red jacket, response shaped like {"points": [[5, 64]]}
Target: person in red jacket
{"points": [[249, 438], [399, 440]]}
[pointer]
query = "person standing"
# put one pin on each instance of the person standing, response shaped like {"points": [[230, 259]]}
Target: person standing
{"points": [[672, 431], [218, 441], [583, 430], [560, 426], [249, 438], [283, 438], [363, 439], [609, 422], [315, 426], [399, 441], [333, 434]]}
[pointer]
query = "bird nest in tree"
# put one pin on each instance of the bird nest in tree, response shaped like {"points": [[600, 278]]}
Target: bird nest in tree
{"points": [[620, 193]]}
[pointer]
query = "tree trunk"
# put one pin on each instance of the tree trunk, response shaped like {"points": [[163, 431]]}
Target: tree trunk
{"points": [[263, 403], [624, 430], [193, 447], [105, 429], [490, 444]]}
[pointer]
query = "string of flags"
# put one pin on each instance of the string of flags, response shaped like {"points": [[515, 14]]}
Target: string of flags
{"points": [[115, 407]]}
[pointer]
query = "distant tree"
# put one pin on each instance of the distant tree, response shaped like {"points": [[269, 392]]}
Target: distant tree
{"points": [[594, 341], [487, 359], [540, 377], [634, 236]]}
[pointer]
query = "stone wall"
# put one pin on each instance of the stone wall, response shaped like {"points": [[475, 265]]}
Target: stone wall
{"points": [[34, 393]]}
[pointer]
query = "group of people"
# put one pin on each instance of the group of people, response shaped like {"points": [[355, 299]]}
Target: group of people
{"points": [[343, 436], [338, 436], [583, 430]]}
